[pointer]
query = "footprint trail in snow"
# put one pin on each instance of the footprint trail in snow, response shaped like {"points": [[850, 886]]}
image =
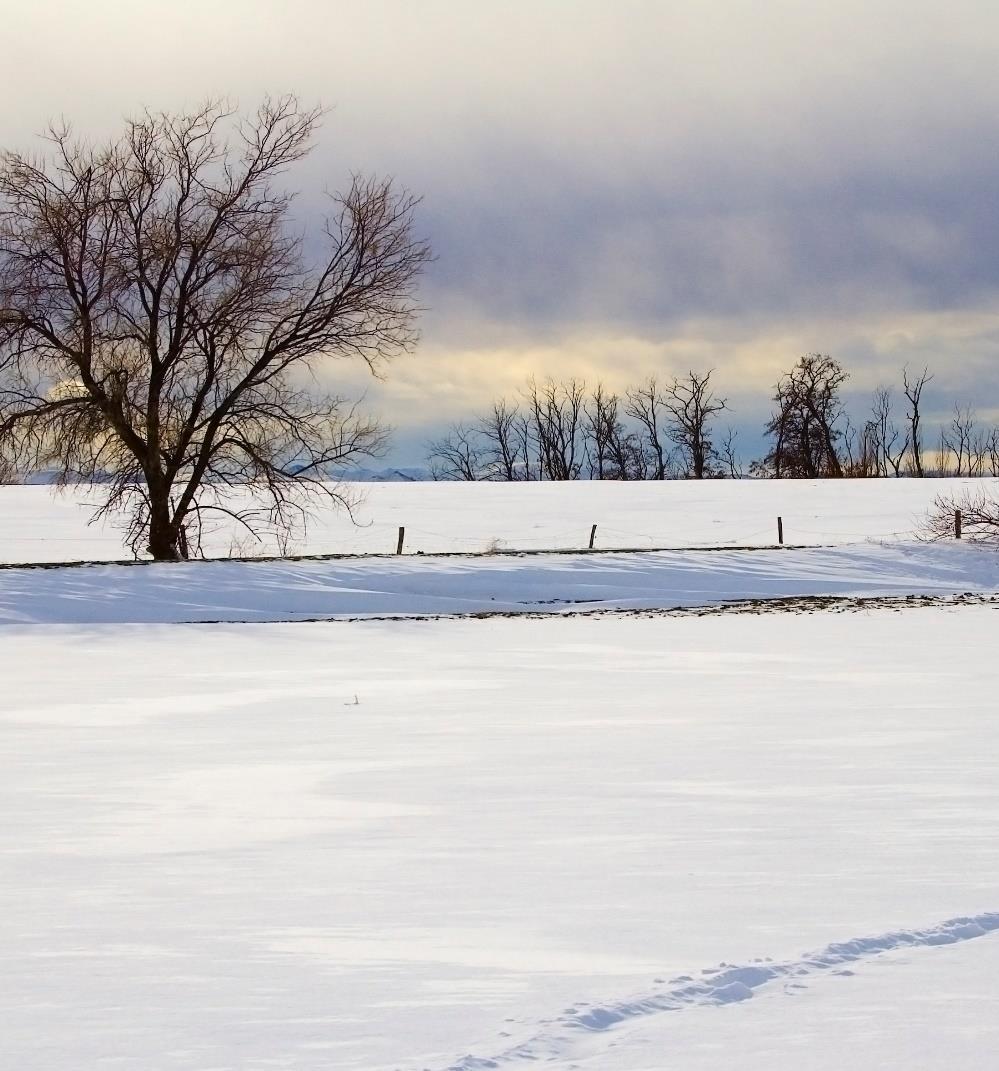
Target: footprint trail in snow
{"points": [[724, 984]]}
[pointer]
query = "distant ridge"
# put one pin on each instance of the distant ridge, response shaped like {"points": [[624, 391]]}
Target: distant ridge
{"points": [[388, 475], [352, 475]]}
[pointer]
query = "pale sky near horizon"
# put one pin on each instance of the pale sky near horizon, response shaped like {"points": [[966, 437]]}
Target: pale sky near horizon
{"points": [[611, 189]]}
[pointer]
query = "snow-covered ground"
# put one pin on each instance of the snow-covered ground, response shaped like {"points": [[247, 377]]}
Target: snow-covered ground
{"points": [[612, 843], [39, 525], [619, 844], [425, 584]]}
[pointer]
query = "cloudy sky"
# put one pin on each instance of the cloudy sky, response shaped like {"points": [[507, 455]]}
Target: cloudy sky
{"points": [[611, 189]]}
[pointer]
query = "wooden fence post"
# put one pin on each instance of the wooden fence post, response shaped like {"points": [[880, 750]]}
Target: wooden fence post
{"points": [[780, 530], [402, 536], [957, 524], [593, 535]]}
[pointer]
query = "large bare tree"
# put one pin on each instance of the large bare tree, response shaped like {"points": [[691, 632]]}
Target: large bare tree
{"points": [[161, 320]]}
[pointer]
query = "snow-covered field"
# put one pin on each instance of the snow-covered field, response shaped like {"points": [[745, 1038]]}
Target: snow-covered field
{"points": [[429, 844], [425, 584], [37, 525], [614, 843]]}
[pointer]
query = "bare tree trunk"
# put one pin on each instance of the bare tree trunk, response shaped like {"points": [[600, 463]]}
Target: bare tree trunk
{"points": [[164, 529]]}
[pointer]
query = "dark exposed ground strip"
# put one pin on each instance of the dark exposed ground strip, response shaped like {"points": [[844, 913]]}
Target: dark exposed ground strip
{"points": [[794, 604]]}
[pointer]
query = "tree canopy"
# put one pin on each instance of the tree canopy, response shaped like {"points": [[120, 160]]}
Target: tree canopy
{"points": [[161, 322]]}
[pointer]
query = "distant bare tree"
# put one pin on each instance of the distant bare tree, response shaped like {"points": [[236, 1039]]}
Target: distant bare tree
{"points": [[730, 456], [942, 460], [525, 443], [613, 452], [958, 441], [691, 407], [162, 321], [889, 443], [646, 406], [805, 426], [495, 447], [458, 455], [556, 411], [913, 388], [991, 451], [859, 450], [979, 452], [504, 430], [629, 458], [600, 421]]}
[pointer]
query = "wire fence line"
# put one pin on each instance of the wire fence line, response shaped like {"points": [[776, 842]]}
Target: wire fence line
{"points": [[608, 538], [378, 539]]}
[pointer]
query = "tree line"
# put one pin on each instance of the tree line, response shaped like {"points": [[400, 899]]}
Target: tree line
{"points": [[673, 429]]}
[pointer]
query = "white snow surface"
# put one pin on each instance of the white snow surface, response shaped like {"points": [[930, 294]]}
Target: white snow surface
{"points": [[425, 585], [616, 844], [38, 524], [607, 843]]}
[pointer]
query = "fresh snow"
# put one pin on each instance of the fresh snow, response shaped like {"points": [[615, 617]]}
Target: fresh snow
{"points": [[38, 524], [494, 843], [424, 584], [240, 839]]}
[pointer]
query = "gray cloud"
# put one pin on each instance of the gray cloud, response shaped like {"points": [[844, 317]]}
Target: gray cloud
{"points": [[612, 188]]}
